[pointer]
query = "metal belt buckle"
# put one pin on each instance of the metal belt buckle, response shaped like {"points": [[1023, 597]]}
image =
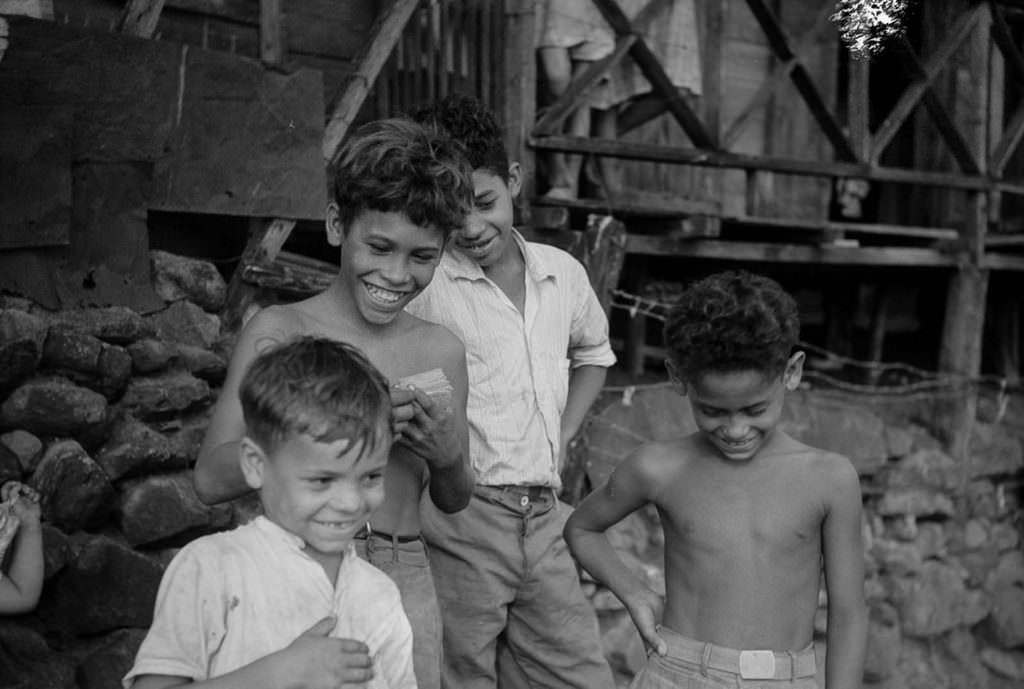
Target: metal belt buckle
{"points": [[757, 664]]}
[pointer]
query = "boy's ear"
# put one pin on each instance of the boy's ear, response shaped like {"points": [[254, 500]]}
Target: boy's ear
{"points": [[515, 179], [794, 371], [253, 461], [333, 225], [678, 384]]}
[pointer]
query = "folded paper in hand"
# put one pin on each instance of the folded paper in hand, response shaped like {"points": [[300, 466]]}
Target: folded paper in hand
{"points": [[434, 383]]}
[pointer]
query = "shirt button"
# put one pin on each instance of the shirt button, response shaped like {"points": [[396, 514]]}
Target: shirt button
{"points": [[524, 501]]}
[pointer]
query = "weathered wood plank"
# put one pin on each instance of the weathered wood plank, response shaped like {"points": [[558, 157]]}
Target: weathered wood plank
{"points": [[272, 45], [266, 238], [383, 36], [140, 17], [518, 107], [635, 203]]}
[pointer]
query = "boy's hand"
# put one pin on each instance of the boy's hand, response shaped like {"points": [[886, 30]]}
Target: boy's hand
{"points": [[646, 608], [24, 502], [430, 431], [316, 661], [403, 409]]}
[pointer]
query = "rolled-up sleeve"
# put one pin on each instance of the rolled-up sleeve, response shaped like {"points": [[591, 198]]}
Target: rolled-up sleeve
{"points": [[588, 337]]}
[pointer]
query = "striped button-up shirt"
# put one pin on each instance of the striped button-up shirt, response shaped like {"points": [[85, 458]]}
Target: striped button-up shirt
{"points": [[518, 363]]}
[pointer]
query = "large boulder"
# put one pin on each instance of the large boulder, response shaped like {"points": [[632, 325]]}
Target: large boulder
{"points": [[56, 407], [179, 277], [837, 425], [937, 600], [105, 666], [185, 323], [158, 507], [107, 586], [151, 355], [74, 489], [25, 446], [134, 448], [87, 360], [115, 324], [165, 395], [28, 662]]}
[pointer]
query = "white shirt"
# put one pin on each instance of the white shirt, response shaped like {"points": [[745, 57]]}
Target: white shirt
{"points": [[518, 363], [231, 598]]}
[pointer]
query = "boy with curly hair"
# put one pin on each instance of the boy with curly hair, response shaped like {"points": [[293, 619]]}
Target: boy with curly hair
{"points": [[537, 345], [749, 513], [399, 190], [283, 601]]}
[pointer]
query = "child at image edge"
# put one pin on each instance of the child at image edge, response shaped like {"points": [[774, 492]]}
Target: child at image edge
{"points": [[749, 513], [283, 601], [20, 530], [537, 348]]}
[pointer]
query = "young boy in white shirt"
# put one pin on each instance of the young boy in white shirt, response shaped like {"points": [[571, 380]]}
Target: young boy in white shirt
{"points": [[283, 601]]}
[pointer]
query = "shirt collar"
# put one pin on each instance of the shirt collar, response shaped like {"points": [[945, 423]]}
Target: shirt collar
{"points": [[274, 530], [460, 266]]}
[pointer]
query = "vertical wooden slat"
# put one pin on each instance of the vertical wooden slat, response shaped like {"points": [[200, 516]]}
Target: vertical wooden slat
{"points": [[520, 88], [272, 45], [139, 17], [483, 66], [857, 102]]}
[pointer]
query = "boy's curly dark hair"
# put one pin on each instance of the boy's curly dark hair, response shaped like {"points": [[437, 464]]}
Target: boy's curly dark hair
{"points": [[732, 321], [397, 165], [471, 123], [318, 387]]}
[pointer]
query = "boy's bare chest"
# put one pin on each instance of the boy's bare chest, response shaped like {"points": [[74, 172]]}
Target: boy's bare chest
{"points": [[755, 512], [395, 354]]}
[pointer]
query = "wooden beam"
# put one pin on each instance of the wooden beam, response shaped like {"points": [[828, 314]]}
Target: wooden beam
{"points": [[386, 31], [802, 79], [266, 238], [519, 93], [781, 71], [636, 205], [139, 17], [720, 159], [859, 106], [922, 84], [272, 43], [651, 68], [787, 253]]}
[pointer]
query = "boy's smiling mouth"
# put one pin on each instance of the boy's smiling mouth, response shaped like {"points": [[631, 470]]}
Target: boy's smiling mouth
{"points": [[382, 295], [477, 248]]}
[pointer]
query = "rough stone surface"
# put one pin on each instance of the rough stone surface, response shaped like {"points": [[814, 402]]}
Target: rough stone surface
{"points": [[919, 502], [116, 324], [899, 442], [22, 336], [151, 356], [27, 662], [26, 447], [107, 586], [166, 394], [161, 506], [203, 363], [1006, 663], [185, 323], [936, 601], [177, 277], [134, 448], [10, 467], [75, 491], [104, 667], [87, 360], [56, 550], [837, 425], [923, 468], [1008, 616], [55, 407], [994, 451], [884, 640]]}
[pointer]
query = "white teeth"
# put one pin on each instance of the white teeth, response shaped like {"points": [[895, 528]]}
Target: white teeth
{"points": [[382, 295]]}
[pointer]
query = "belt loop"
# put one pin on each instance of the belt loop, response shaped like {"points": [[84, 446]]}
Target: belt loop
{"points": [[705, 656], [394, 548], [792, 666]]}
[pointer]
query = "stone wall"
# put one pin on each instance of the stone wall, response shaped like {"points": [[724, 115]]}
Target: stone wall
{"points": [[945, 567], [103, 409]]}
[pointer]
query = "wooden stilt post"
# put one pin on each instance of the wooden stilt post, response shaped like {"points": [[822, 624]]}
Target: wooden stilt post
{"points": [[266, 237], [518, 109]]}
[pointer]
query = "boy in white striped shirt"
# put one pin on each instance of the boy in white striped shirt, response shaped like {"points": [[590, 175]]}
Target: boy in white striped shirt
{"points": [[537, 353]]}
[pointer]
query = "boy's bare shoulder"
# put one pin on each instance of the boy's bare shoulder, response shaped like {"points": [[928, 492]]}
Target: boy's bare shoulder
{"points": [[825, 467], [277, 323], [658, 462], [434, 335]]}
